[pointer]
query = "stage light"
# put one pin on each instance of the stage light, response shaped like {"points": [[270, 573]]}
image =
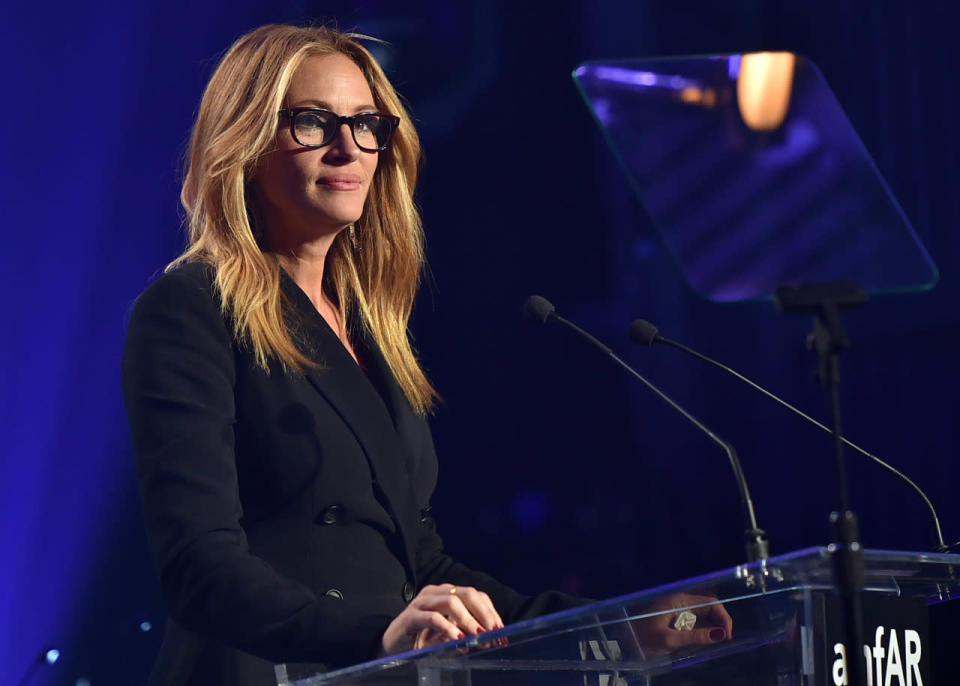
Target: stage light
{"points": [[764, 86]]}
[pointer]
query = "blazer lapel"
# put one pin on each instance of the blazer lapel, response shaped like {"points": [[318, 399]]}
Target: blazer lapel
{"points": [[348, 390]]}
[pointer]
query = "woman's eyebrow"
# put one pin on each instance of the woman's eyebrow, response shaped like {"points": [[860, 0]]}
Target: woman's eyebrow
{"points": [[327, 106]]}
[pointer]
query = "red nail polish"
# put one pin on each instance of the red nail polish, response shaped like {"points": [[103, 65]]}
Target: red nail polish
{"points": [[479, 630], [717, 635], [459, 636]]}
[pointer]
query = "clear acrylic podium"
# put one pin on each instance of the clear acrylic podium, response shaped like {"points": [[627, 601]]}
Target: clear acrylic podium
{"points": [[786, 631]]}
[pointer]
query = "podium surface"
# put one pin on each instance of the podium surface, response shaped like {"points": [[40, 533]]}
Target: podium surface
{"points": [[787, 629]]}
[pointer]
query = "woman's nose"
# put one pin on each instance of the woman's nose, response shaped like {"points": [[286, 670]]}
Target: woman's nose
{"points": [[343, 147]]}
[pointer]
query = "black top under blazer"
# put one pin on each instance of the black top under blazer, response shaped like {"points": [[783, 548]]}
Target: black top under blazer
{"points": [[288, 514]]}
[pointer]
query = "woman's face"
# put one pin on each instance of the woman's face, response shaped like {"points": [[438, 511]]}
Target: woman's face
{"points": [[305, 193]]}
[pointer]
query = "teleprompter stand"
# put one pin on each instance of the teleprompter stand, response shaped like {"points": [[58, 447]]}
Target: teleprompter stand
{"points": [[825, 301]]}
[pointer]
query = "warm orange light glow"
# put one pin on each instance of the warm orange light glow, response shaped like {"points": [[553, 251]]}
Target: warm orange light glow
{"points": [[694, 95], [764, 87]]}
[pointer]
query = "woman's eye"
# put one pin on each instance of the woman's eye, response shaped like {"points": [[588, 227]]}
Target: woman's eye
{"points": [[366, 123], [309, 120]]}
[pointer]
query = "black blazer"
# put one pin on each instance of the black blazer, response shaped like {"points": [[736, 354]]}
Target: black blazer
{"points": [[288, 515]]}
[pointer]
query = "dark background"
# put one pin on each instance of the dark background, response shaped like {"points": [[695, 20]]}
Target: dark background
{"points": [[556, 470]]}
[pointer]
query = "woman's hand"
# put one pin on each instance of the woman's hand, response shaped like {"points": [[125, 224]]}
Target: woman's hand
{"points": [[438, 614], [663, 633]]}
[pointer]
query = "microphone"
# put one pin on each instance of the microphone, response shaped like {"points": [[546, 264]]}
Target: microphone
{"points": [[541, 310], [644, 333], [538, 308]]}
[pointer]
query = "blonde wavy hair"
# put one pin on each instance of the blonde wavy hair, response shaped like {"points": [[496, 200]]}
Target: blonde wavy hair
{"points": [[376, 282]]}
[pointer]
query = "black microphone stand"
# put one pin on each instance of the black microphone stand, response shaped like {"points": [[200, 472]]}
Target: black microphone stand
{"points": [[643, 332], [825, 301], [542, 310]]}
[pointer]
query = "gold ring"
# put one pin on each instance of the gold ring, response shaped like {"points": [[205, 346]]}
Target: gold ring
{"points": [[453, 591]]}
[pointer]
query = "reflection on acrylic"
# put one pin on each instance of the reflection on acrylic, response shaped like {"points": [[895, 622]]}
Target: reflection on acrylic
{"points": [[753, 174]]}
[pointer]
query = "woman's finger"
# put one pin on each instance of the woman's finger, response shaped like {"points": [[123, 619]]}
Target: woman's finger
{"points": [[480, 606], [718, 615], [407, 629], [454, 610], [470, 609], [428, 637], [436, 622], [696, 637], [707, 609]]}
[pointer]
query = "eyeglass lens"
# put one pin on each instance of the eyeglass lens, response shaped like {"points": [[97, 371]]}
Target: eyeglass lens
{"points": [[317, 127]]}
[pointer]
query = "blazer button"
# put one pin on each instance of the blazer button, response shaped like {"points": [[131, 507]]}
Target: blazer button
{"points": [[334, 593], [331, 515], [407, 592]]}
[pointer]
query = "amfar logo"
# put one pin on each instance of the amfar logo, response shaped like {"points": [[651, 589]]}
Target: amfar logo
{"points": [[885, 661]]}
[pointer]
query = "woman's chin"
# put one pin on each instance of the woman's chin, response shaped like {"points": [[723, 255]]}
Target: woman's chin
{"points": [[337, 221]]}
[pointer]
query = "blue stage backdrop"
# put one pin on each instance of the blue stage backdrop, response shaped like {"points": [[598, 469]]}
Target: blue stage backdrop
{"points": [[556, 470]]}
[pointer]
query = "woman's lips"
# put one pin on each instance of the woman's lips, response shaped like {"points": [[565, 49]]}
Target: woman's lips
{"points": [[340, 182]]}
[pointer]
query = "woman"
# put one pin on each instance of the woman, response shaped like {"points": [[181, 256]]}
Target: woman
{"points": [[276, 406]]}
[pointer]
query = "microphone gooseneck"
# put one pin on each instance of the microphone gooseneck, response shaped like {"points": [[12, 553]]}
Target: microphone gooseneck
{"points": [[758, 548], [643, 332]]}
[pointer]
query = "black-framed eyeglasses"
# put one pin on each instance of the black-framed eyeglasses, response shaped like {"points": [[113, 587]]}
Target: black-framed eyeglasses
{"points": [[315, 127]]}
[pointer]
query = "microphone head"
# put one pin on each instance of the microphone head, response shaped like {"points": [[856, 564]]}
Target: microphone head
{"points": [[643, 332], [538, 308]]}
